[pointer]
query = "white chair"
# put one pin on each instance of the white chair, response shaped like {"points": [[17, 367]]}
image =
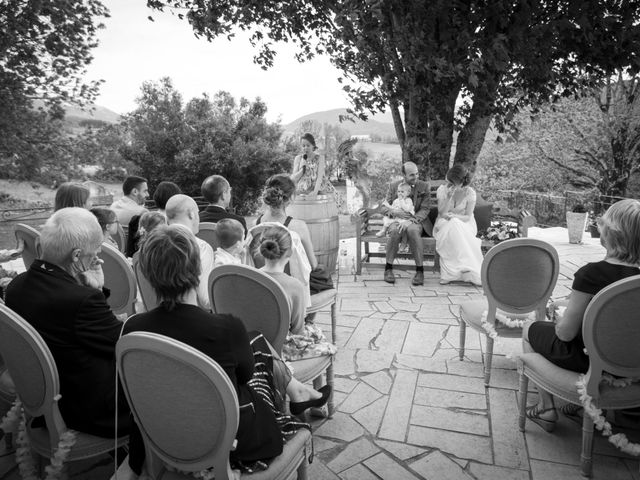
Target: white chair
{"points": [[262, 305], [611, 336], [120, 238], [31, 238], [187, 411], [518, 277], [119, 279], [147, 293], [37, 385]]}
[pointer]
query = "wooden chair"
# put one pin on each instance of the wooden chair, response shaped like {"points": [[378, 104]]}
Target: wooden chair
{"points": [[187, 411], [35, 376], [119, 278], [262, 305], [518, 277], [31, 238], [207, 232], [611, 336]]}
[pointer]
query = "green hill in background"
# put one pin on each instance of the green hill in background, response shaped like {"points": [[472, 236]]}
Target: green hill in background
{"points": [[379, 125]]}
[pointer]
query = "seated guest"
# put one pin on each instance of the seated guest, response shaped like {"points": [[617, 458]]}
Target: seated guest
{"points": [[170, 260], [163, 192], [62, 296], [230, 235], [148, 222], [108, 223], [72, 195], [561, 342], [183, 210], [135, 192], [217, 191]]}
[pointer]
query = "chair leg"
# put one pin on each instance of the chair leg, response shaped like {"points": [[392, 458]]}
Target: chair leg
{"points": [[488, 359], [334, 320], [302, 468], [463, 338], [522, 404], [586, 457], [330, 406]]}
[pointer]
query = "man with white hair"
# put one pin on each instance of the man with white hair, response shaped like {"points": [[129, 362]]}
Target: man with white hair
{"points": [[62, 296], [183, 210]]}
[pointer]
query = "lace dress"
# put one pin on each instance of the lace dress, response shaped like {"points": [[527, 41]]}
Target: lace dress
{"points": [[456, 241]]}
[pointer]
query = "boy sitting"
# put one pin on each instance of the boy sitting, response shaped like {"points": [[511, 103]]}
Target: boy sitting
{"points": [[230, 234]]}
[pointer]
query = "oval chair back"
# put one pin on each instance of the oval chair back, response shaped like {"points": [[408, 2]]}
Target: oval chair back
{"points": [[254, 297], [207, 232], [519, 275], [31, 238], [183, 402], [611, 332], [147, 293], [119, 278], [120, 238], [33, 370]]}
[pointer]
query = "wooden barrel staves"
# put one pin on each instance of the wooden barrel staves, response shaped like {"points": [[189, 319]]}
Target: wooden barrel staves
{"points": [[320, 213]]}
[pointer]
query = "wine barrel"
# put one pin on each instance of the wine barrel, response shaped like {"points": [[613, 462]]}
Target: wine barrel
{"points": [[320, 213]]}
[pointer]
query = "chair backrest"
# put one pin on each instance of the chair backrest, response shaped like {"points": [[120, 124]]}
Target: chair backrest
{"points": [[254, 297], [31, 238], [519, 275], [119, 278], [208, 233], [120, 238], [182, 400], [32, 369], [148, 294], [611, 331]]}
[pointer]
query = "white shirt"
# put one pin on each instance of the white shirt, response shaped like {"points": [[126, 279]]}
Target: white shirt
{"points": [[125, 209], [206, 265]]}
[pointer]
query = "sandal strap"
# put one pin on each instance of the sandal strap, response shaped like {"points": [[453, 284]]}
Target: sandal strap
{"points": [[536, 411]]}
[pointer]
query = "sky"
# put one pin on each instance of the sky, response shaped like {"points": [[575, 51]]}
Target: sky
{"points": [[133, 49]]}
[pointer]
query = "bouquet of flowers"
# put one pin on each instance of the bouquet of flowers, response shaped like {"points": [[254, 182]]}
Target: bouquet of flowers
{"points": [[500, 231]]}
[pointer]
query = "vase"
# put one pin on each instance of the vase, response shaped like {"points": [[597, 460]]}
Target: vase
{"points": [[576, 223]]}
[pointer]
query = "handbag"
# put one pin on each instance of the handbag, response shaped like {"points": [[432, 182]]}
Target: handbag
{"points": [[320, 279]]}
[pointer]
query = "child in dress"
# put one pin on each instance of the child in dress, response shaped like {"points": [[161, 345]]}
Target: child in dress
{"points": [[230, 234], [108, 222]]}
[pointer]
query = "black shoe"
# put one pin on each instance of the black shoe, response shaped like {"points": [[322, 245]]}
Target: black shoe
{"points": [[389, 277], [418, 279], [296, 408]]}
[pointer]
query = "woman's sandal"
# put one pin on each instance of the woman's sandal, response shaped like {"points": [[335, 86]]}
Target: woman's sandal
{"points": [[533, 413], [572, 412]]}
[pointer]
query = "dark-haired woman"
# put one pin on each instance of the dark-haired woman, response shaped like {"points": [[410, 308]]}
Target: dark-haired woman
{"points": [[308, 166], [170, 260], [455, 229], [71, 194]]}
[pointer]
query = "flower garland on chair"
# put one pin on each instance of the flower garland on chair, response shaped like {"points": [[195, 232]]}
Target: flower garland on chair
{"points": [[619, 440], [15, 421], [505, 320]]}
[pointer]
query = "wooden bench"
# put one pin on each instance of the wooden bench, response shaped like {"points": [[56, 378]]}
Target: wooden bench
{"points": [[369, 223]]}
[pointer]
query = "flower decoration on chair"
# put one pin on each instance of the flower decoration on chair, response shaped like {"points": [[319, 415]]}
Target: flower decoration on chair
{"points": [[500, 231]]}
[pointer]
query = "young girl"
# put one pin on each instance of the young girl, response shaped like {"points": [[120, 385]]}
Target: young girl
{"points": [[108, 222], [403, 202]]}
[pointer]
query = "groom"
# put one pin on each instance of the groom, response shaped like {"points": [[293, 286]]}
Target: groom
{"points": [[414, 226]]}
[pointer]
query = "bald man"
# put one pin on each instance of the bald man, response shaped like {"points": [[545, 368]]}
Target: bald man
{"points": [[183, 210], [413, 226]]}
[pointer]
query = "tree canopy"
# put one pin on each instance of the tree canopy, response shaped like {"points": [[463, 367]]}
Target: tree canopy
{"points": [[420, 58]]}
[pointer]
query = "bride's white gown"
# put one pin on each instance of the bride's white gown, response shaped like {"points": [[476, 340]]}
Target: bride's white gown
{"points": [[456, 242]]}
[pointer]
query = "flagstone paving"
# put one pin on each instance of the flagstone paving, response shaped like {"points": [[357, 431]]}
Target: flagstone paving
{"points": [[408, 408]]}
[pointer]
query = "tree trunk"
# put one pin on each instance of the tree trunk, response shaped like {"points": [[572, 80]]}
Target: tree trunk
{"points": [[470, 141]]}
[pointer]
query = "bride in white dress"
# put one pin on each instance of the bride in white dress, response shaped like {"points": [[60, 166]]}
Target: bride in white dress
{"points": [[455, 229]]}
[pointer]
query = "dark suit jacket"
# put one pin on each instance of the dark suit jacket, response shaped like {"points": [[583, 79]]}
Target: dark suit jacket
{"points": [[421, 202], [81, 331], [213, 213]]}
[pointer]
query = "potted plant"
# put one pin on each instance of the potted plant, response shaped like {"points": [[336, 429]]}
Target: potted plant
{"points": [[576, 223], [594, 230]]}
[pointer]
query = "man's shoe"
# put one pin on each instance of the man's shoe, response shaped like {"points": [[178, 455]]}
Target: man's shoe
{"points": [[418, 279], [389, 277]]}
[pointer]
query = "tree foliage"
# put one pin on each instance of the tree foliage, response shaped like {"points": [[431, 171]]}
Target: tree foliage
{"points": [[419, 58], [209, 135]]}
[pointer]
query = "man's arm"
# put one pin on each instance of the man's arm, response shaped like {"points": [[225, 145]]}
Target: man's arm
{"points": [[423, 204], [97, 328]]}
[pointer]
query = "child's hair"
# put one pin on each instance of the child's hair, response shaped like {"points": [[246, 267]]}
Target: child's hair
{"points": [[404, 186], [148, 222], [229, 232], [105, 216], [620, 231], [275, 242]]}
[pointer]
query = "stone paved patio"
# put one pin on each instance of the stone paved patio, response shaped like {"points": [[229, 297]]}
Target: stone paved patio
{"points": [[408, 408]]}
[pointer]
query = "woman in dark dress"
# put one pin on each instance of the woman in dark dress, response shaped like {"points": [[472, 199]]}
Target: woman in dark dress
{"points": [[561, 342], [169, 259]]}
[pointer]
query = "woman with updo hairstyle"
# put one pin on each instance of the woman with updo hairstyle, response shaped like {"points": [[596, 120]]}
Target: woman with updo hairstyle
{"points": [[275, 246], [278, 194], [72, 195], [455, 229], [170, 260]]}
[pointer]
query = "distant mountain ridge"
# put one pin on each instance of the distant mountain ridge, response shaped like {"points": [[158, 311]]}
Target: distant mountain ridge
{"points": [[75, 114], [380, 124]]}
